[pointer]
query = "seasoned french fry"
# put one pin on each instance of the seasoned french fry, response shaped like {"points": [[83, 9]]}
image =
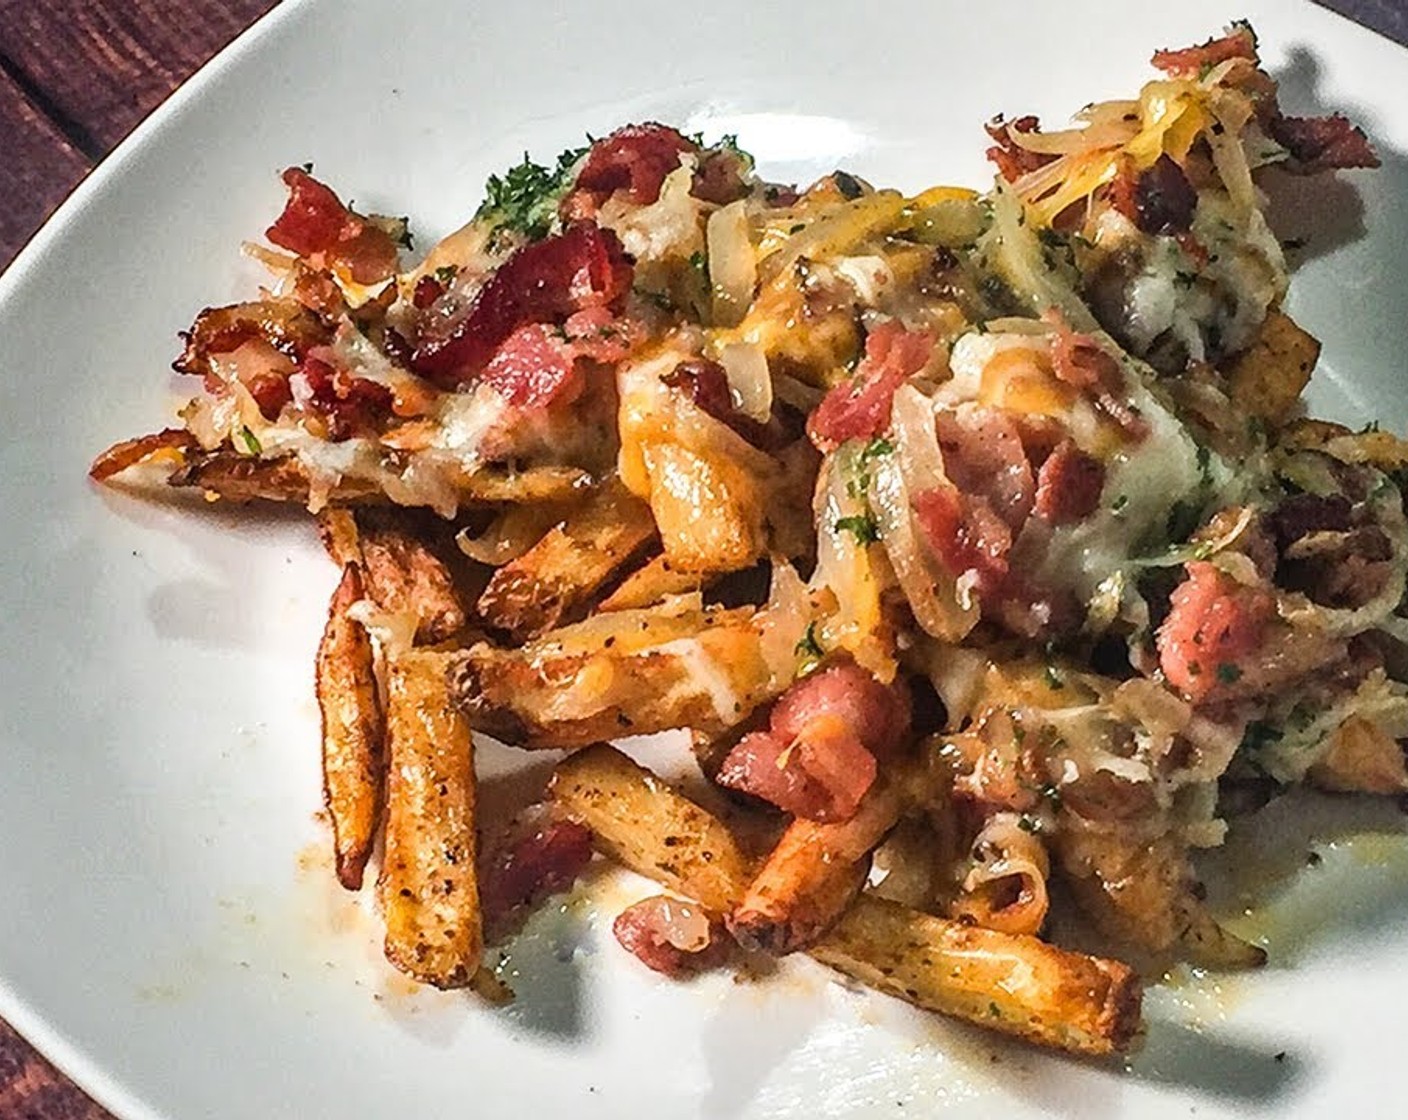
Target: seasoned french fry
{"points": [[242, 478], [649, 584], [644, 824], [1013, 983], [405, 575], [1008, 982], [543, 587], [1267, 379], [619, 673], [710, 510], [170, 445], [337, 529], [813, 874], [354, 747], [428, 887]]}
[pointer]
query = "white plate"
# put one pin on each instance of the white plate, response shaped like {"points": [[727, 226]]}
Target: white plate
{"points": [[170, 933]]}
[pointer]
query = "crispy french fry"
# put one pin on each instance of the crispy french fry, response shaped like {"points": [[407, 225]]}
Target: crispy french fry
{"points": [[710, 510], [548, 583], [1267, 378], [337, 529], [170, 445], [619, 673], [644, 824], [649, 584], [354, 747], [428, 887], [1013, 983], [1008, 982], [405, 575], [1145, 894], [236, 477], [812, 875]]}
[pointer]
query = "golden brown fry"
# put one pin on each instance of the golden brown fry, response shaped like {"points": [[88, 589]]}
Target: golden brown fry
{"points": [[1267, 378], [354, 747], [428, 886], [169, 445], [649, 584], [812, 875], [1012, 983], [237, 477], [1143, 892], [644, 824], [406, 576], [710, 510], [337, 529], [1361, 758], [619, 673], [548, 583]]}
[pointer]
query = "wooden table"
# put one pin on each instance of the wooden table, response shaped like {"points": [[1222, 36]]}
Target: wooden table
{"points": [[75, 77]]}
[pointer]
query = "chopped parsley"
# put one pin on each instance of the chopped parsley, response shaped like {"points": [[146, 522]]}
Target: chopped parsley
{"points": [[525, 197], [250, 441], [810, 646], [1054, 680], [1228, 673], [445, 274], [860, 526]]}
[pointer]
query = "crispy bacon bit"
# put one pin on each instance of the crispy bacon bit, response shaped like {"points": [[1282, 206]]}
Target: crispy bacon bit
{"points": [[1158, 200], [1084, 364], [1302, 514], [720, 177], [1194, 62], [170, 443], [426, 292], [860, 408], [546, 859], [315, 221], [270, 392], [1068, 485], [671, 936], [966, 535], [533, 367], [984, 455], [543, 282], [634, 159], [705, 382], [818, 757], [1214, 624], [597, 334], [284, 324], [346, 404], [1012, 160], [1322, 143]]}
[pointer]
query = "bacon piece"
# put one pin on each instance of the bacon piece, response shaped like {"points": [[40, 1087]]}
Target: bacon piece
{"points": [[315, 221], [878, 714], [1299, 515], [534, 367], [984, 456], [1213, 625], [598, 334], [821, 776], [634, 159], [965, 534], [1193, 62], [1081, 362], [1068, 485], [720, 177], [426, 292], [1159, 200], [545, 860], [271, 391], [346, 404], [671, 936], [543, 282], [1012, 160], [284, 324], [1322, 143], [818, 757], [860, 408]]}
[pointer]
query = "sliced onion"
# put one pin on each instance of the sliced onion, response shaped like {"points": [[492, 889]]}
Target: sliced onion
{"points": [[1106, 134], [733, 266], [749, 380]]}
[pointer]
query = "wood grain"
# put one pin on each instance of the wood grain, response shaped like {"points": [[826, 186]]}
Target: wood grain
{"points": [[37, 171]]}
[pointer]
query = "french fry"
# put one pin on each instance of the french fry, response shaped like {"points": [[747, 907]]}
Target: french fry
{"points": [[644, 824], [241, 478], [542, 588], [652, 582], [337, 529], [405, 575], [1012, 983], [619, 673], [170, 445], [1267, 378], [710, 510], [354, 747], [813, 874], [428, 888]]}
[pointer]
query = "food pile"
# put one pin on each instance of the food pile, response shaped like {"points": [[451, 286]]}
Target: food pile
{"points": [[978, 541]]}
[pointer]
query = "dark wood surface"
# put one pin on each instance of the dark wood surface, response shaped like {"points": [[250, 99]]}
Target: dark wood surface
{"points": [[75, 77]]}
